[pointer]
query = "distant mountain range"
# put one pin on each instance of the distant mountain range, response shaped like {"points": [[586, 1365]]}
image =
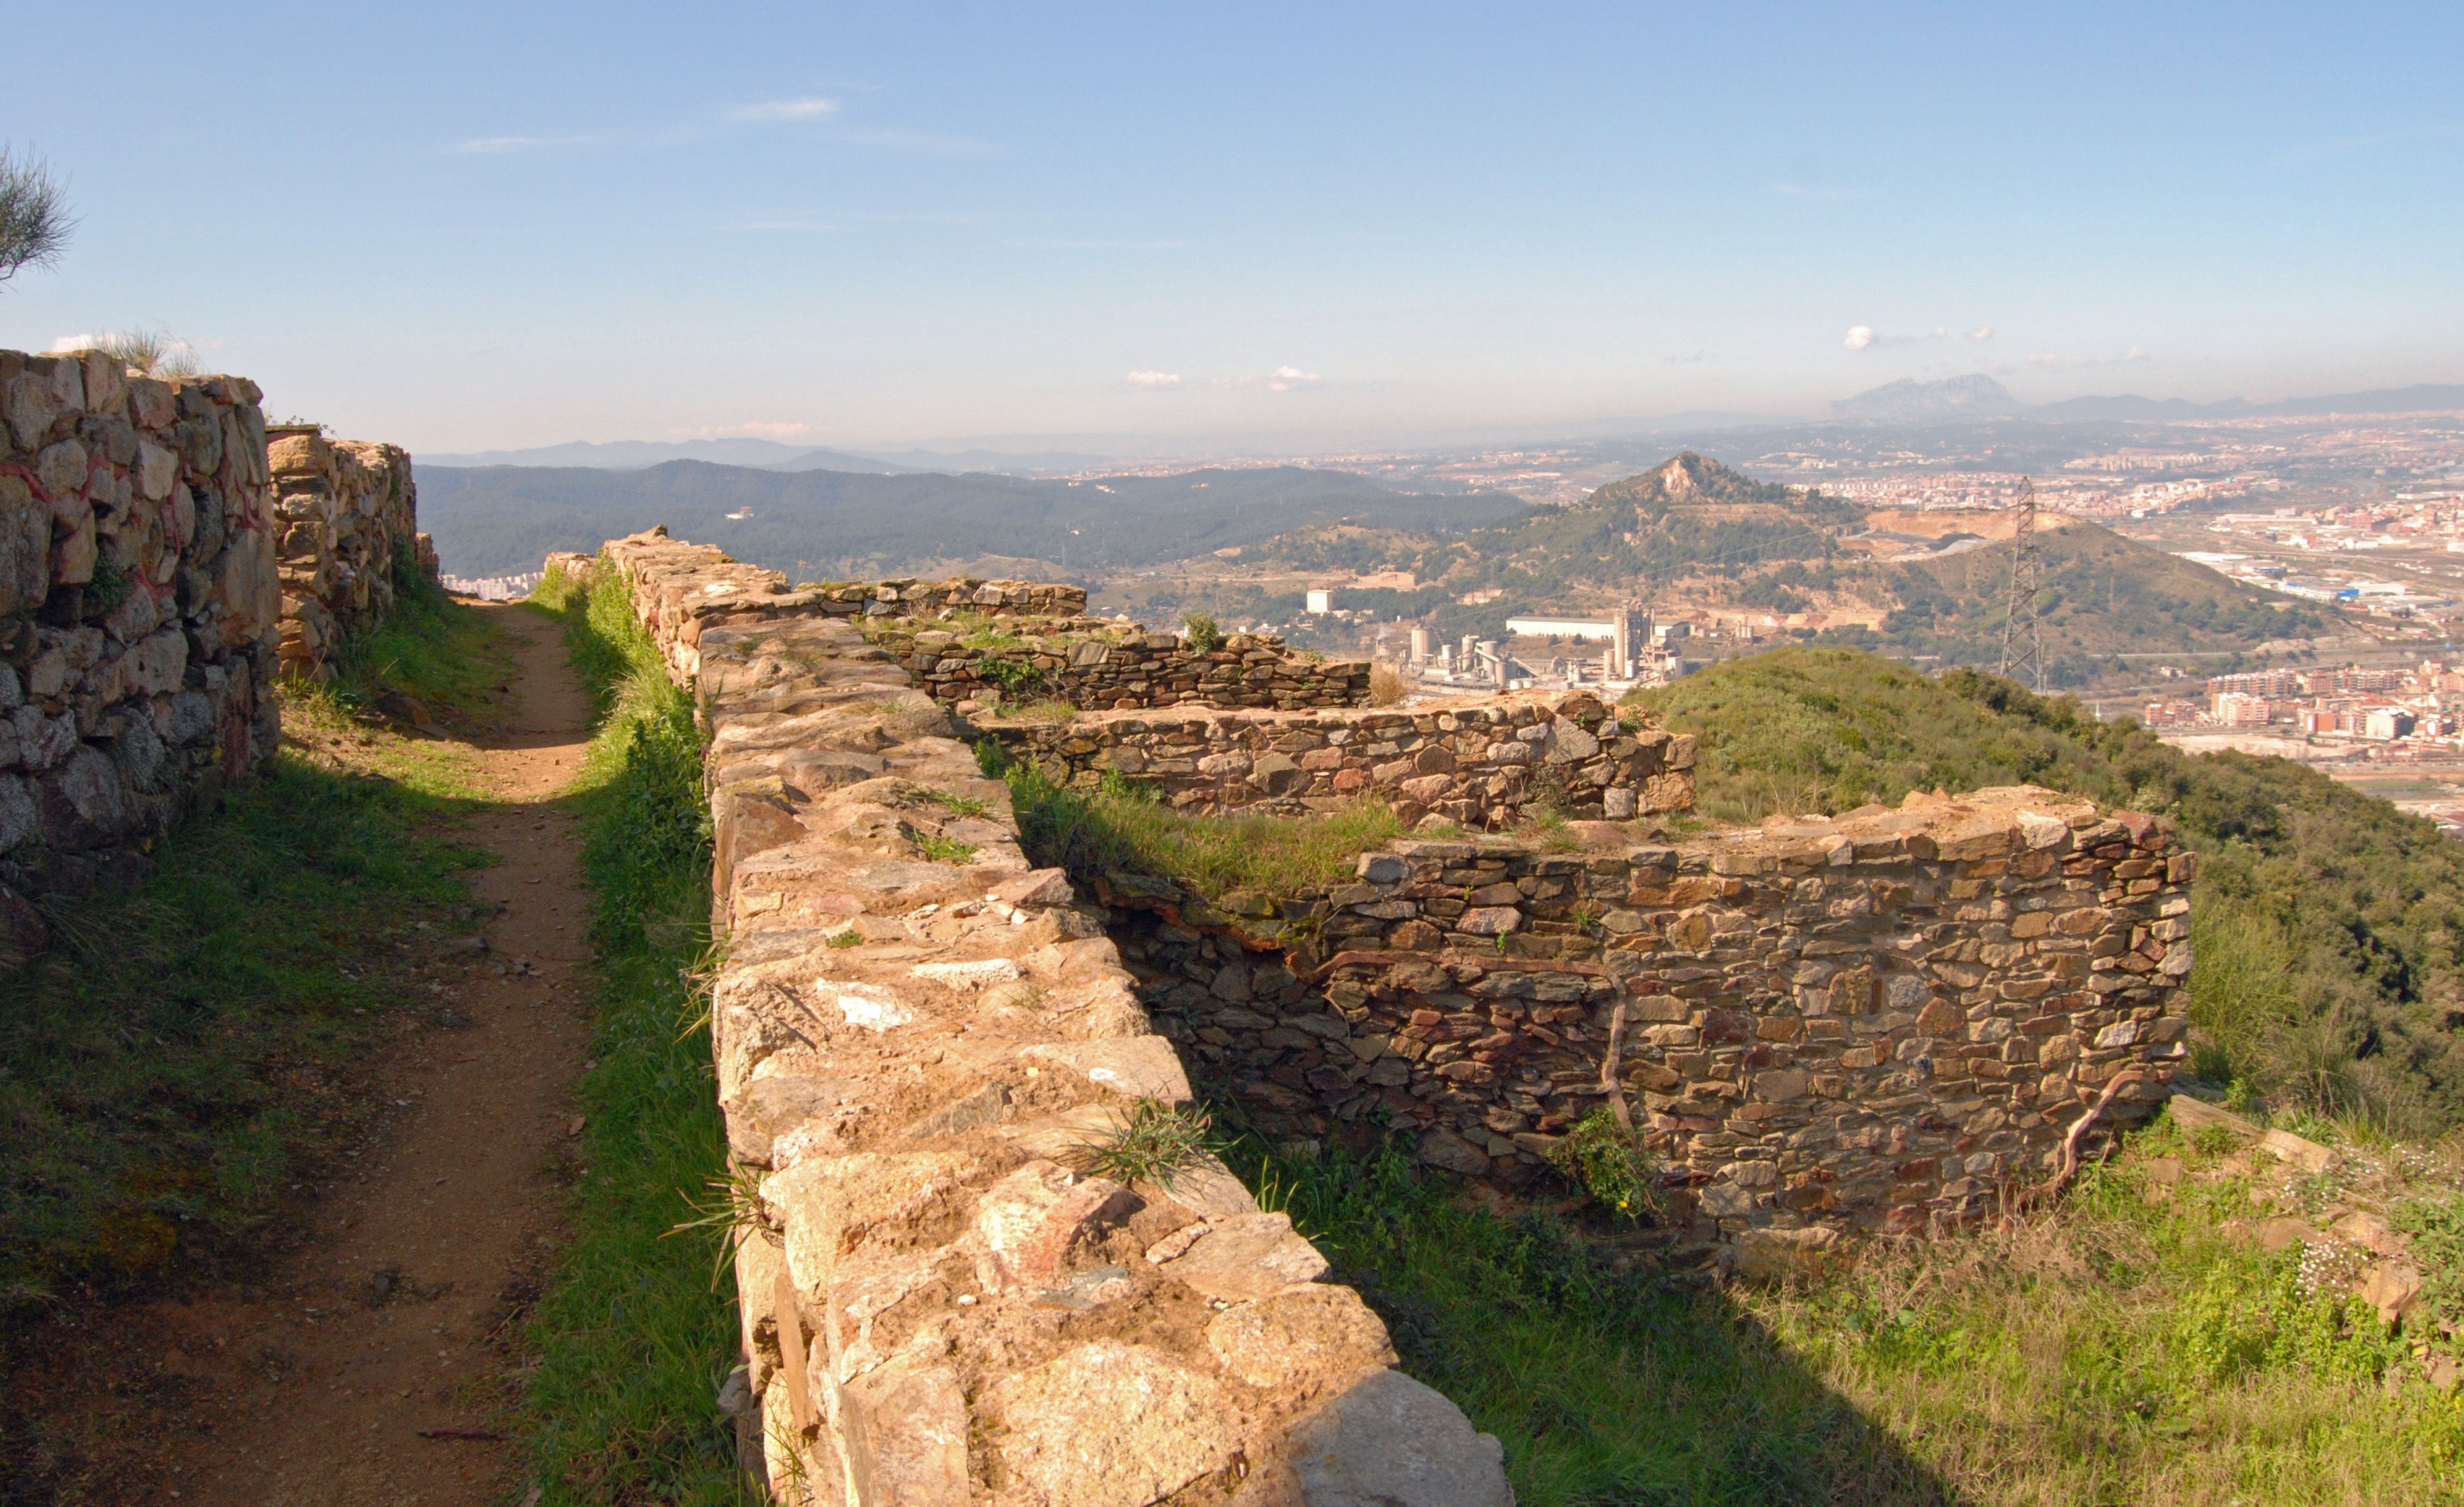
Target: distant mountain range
{"points": [[1979, 396], [771, 455], [496, 519]]}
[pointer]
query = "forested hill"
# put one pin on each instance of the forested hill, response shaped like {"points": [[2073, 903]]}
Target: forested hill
{"points": [[2328, 926], [496, 519]]}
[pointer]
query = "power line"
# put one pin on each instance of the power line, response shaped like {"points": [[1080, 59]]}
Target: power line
{"points": [[2023, 645]]}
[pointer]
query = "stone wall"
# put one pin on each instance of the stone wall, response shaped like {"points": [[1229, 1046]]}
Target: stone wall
{"points": [[1097, 664], [918, 1035], [344, 510], [1884, 1022], [1474, 763], [138, 603]]}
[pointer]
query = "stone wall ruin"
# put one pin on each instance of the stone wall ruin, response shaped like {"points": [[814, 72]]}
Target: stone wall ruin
{"points": [[156, 574], [346, 517], [918, 1034], [137, 604], [1476, 763], [1889, 1022]]}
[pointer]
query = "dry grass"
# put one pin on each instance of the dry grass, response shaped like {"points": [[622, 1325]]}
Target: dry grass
{"points": [[1385, 685]]}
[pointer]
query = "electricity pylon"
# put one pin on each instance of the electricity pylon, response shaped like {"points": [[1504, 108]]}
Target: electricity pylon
{"points": [[2023, 646]]}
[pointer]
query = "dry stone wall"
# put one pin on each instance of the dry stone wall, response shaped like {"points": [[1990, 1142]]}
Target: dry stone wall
{"points": [[346, 518], [1096, 663], [918, 1035], [1476, 763], [138, 603], [1886, 1022]]}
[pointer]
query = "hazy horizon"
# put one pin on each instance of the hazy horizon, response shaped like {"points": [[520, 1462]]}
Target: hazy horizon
{"points": [[471, 229]]}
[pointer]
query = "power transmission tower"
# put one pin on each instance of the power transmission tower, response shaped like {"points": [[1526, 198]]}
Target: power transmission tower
{"points": [[2023, 646]]}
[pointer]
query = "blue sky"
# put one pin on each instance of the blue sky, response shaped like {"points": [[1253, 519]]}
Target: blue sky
{"points": [[470, 226]]}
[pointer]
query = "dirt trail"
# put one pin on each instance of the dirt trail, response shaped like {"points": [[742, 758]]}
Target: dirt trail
{"points": [[366, 1368]]}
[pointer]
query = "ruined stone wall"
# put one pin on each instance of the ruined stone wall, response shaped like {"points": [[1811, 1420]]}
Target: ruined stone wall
{"points": [[138, 601], [1882, 1022], [1476, 763], [917, 1036], [1094, 664], [344, 510]]}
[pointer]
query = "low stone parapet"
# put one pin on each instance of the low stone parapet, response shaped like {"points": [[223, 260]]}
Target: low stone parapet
{"points": [[1882, 1022], [138, 603], [922, 1043], [1479, 764]]}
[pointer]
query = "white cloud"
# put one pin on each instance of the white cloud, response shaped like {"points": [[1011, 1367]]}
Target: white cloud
{"points": [[806, 109], [491, 145], [1153, 379], [2055, 359], [1981, 334], [750, 429], [1860, 337], [74, 342], [1291, 378]]}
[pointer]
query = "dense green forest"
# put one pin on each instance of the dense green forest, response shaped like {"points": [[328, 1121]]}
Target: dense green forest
{"points": [[2328, 925]]}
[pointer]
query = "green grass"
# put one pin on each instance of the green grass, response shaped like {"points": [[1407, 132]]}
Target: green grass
{"points": [[1119, 825], [631, 1340], [2119, 1351], [184, 1059]]}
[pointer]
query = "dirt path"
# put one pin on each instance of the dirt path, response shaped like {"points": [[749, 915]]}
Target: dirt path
{"points": [[365, 1369]]}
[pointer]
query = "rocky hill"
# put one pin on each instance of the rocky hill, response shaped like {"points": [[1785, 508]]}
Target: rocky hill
{"points": [[1691, 532]]}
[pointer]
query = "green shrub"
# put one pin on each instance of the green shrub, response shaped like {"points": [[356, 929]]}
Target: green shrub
{"points": [[1599, 1156], [1205, 635]]}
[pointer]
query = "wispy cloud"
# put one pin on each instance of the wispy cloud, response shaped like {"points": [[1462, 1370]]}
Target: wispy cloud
{"points": [[1153, 379], [1866, 337], [490, 145], [1689, 359], [2055, 359], [812, 108], [1981, 334], [75, 343]]}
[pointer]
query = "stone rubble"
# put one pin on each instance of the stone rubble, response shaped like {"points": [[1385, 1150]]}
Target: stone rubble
{"points": [[918, 1038]]}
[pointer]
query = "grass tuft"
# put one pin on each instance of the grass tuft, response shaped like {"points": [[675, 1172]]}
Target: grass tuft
{"points": [[1122, 826], [1155, 1145]]}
